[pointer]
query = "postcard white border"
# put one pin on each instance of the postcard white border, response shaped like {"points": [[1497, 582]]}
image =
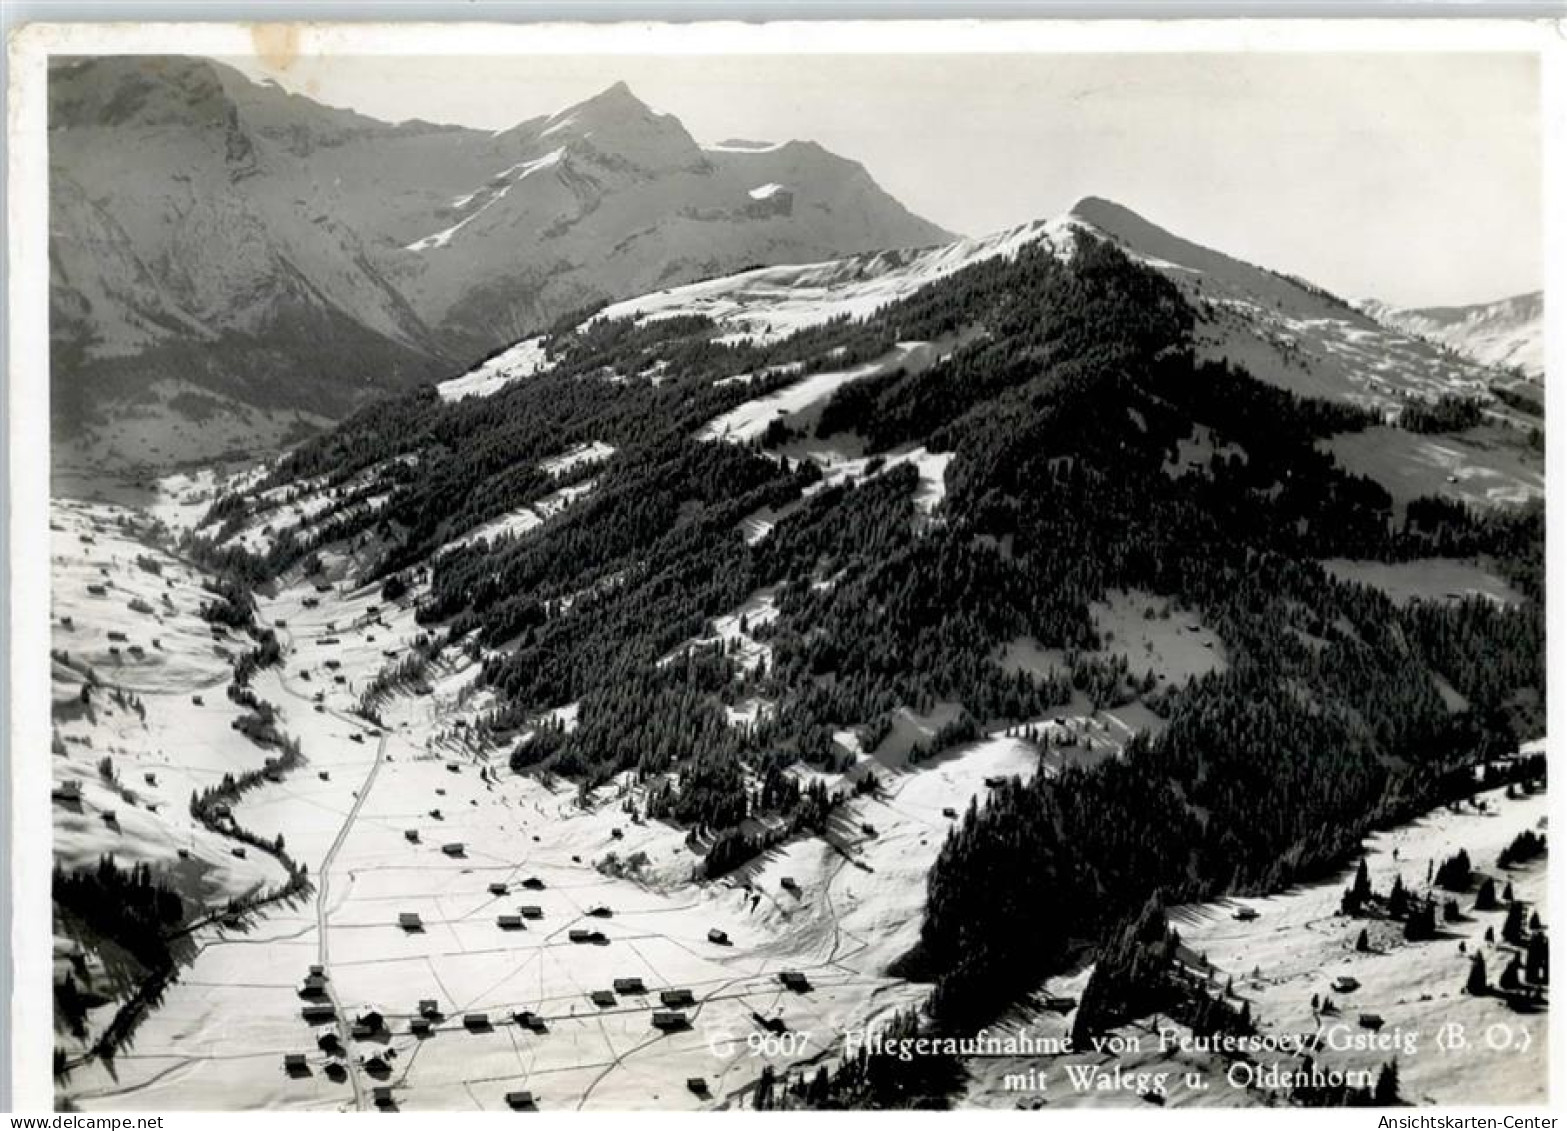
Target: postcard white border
{"points": [[28, 420]]}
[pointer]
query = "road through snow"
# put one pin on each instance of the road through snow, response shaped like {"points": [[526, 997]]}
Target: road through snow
{"points": [[324, 914]]}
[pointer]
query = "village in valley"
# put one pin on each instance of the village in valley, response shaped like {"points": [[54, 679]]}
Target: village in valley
{"points": [[401, 922], [569, 617]]}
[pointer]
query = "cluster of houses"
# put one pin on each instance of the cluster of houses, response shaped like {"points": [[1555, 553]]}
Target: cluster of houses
{"points": [[369, 1023], [670, 1014], [509, 920]]}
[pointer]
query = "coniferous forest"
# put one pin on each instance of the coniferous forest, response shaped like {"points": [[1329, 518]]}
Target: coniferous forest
{"points": [[1062, 410]]}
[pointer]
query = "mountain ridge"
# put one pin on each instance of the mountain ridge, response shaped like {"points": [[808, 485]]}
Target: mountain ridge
{"points": [[989, 559], [1507, 333], [192, 205], [772, 523]]}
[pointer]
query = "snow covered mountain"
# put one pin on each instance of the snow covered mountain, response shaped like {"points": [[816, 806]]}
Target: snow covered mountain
{"points": [[609, 197], [1287, 331], [1507, 334], [748, 630], [231, 262]]}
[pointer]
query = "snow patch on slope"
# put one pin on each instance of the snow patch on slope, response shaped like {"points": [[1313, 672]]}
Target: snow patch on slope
{"points": [[517, 172], [749, 420], [740, 145], [577, 456], [525, 359], [518, 522], [731, 634], [770, 303]]}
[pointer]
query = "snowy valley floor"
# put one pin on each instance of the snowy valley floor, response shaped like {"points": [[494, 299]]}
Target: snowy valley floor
{"points": [[377, 815]]}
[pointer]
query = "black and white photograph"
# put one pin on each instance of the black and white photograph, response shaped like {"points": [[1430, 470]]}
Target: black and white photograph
{"points": [[781, 568]]}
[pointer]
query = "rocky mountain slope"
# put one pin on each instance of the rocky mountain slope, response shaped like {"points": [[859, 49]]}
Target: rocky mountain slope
{"points": [[231, 262], [1508, 334]]}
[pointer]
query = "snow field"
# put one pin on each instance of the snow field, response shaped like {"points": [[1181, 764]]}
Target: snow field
{"points": [[769, 304], [518, 522], [1298, 946], [524, 359]]}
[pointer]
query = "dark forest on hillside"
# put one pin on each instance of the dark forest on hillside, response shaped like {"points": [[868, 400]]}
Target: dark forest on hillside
{"points": [[1061, 417]]}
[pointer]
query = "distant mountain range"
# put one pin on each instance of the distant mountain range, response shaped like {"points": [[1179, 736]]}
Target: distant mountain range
{"points": [[1509, 334], [232, 264]]}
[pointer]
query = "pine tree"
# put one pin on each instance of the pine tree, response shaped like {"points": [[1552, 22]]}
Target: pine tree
{"points": [[1398, 899], [1538, 966], [1362, 888], [1476, 986], [1386, 1091], [1512, 927], [1485, 898], [1421, 923]]}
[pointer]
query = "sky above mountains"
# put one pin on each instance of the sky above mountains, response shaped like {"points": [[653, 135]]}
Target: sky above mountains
{"points": [[1411, 178]]}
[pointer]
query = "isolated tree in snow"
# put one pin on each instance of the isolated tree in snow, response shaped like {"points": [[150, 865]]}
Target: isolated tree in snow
{"points": [[1455, 872], [1476, 986], [1359, 891], [1386, 1093], [1485, 898], [1512, 928], [1421, 924], [1510, 975], [1398, 899], [1538, 967]]}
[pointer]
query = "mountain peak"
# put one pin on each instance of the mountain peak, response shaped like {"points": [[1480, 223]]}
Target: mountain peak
{"points": [[1087, 205], [1112, 218], [617, 122], [1145, 238], [616, 96], [614, 103]]}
